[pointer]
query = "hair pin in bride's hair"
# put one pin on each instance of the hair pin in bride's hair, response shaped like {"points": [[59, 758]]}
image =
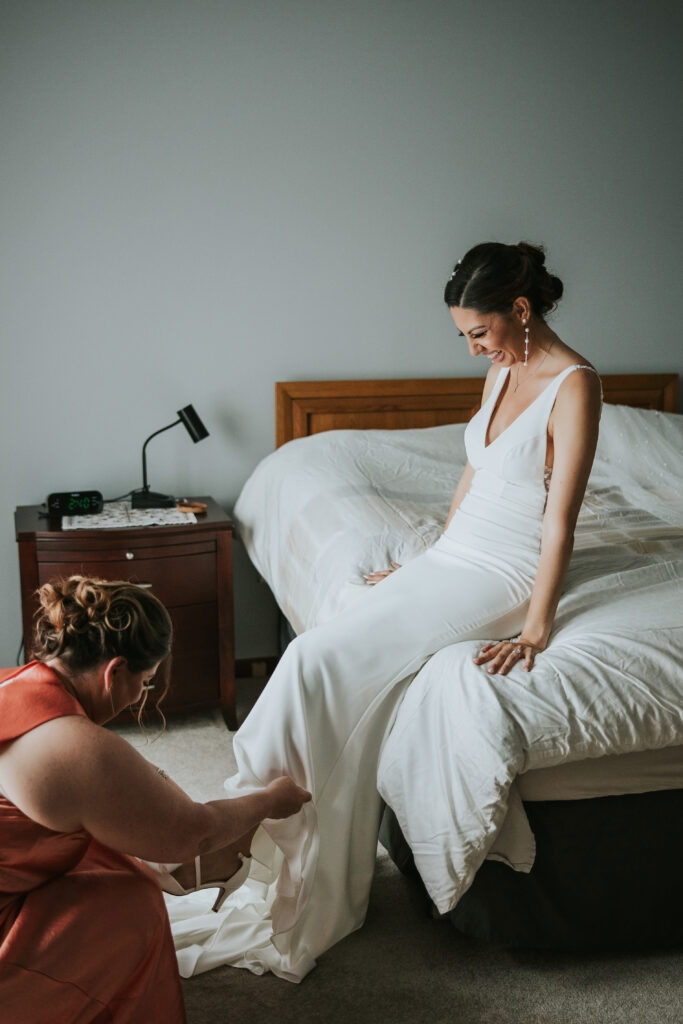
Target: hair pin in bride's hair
{"points": [[456, 269]]}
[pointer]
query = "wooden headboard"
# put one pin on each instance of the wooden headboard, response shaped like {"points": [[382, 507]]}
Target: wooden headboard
{"points": [[309, 407]]}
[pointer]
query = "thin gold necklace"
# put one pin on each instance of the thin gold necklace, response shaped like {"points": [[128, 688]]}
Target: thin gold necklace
{"points": [[533, 372]]}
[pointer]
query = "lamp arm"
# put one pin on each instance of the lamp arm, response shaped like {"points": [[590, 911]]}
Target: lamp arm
{"points": [[145, 485]]}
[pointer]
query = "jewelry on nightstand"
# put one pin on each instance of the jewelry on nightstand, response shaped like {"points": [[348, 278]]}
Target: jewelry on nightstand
{"points": [[198, 507]]}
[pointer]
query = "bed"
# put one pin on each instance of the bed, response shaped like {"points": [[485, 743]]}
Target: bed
{"points": [[573, 839]]}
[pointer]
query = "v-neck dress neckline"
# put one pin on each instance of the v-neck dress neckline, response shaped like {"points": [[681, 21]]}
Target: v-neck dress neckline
{"points": [[510, 471], [495, 394]]}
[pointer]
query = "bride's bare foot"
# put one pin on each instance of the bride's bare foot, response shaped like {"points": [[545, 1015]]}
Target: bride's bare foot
{"points": [[219, 865]]}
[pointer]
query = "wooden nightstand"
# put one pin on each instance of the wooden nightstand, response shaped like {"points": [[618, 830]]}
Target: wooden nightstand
{"points": [[189, 569]]}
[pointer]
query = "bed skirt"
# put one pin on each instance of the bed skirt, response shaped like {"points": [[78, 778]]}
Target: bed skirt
{"points": [[607, 875]]}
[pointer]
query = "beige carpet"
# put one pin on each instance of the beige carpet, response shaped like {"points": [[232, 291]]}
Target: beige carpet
{"points": [[403, 967]]}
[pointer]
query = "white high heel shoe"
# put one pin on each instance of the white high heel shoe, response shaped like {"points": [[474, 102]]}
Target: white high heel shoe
{"points": [[172, 885]]}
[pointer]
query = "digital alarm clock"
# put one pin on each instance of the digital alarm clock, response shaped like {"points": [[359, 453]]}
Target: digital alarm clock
{"points": [[74, 503]]}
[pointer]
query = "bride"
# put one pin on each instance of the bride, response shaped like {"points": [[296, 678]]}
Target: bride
{"points": [[495, 575]]}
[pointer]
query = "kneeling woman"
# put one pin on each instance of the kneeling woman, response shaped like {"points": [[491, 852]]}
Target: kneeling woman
{"points": [[84, 934]]}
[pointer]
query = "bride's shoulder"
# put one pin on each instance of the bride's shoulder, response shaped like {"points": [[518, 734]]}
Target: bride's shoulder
{"points": [[581, 391], [583, 374]]}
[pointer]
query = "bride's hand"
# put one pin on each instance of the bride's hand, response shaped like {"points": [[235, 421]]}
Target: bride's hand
{"points": [[502, 655], [373, 578]]}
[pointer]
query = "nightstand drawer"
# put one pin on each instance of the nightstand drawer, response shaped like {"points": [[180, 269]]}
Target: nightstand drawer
{"points": [[184, 580], [70, 548]]}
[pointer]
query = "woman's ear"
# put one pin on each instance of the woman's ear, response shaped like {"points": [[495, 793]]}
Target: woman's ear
{"points": [[111, 669], [521, 308]]}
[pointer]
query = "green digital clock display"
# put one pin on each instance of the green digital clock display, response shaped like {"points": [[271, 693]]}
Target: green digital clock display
{"points": [[74, 503], [80, 503]]}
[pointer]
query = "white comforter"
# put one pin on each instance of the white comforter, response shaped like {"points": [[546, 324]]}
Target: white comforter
{"points": [[319, 512]]}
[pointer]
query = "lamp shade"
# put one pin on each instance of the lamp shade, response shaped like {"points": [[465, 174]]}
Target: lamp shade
{"points": [[193, 424]]}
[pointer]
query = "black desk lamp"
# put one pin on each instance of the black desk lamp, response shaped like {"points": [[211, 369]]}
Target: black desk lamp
{"points": [[143, 497]]}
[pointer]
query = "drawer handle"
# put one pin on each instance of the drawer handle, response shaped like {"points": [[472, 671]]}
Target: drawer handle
{"points": [[130, 555]]}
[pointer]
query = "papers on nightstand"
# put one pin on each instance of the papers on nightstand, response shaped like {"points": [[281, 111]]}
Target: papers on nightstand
{"points": [[119, 514]]}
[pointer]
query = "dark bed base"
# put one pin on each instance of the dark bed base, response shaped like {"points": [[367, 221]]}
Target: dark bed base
{"points": [[607, 875]]}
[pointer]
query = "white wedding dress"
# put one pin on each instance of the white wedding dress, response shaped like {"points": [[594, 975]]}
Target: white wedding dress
{"points": [[326, 711]]}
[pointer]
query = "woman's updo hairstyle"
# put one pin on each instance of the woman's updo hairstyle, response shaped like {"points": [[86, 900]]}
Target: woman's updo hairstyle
{"points": [[492, 275], [88, 621]]}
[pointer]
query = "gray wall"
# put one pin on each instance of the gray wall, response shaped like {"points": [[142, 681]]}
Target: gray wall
{"points": [[201, 198]]}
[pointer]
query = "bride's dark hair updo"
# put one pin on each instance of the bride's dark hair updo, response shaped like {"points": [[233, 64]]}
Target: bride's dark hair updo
{"points": [[87, 621], [492, 275]]}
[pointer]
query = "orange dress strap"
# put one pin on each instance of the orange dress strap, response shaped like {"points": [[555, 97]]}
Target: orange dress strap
{"points": [[31, 695]]}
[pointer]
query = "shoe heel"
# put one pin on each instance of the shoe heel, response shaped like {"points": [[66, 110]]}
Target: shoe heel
{"points": [[233, 883], [220, 899]]}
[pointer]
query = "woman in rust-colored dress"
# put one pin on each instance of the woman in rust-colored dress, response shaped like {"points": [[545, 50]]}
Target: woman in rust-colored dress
{"points": [[84, 933]]}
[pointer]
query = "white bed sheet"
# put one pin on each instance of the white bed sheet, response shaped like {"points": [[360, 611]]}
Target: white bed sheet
{"points": [[645, 771], [320, 511]]}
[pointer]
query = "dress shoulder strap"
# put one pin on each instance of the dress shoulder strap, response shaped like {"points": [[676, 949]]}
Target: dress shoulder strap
{"points": [[29, 696], [583, 366], [498, 384]]}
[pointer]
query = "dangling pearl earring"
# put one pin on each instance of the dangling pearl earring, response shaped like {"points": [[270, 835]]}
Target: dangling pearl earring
{"points": [[526, 344]]}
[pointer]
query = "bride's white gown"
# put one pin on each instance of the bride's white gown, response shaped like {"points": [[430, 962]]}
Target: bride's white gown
{"points": [[329, 706]]}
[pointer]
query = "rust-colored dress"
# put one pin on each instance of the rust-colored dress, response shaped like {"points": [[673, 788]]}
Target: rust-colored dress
{"points": [[84, 933]]}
